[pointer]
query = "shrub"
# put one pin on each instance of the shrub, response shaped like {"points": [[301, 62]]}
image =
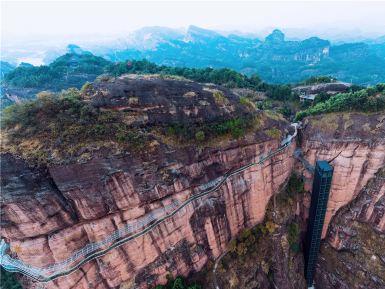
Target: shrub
{"points": [[233, 246], [202, 131], [8, 280], [65, 122], [220, 98], [86, 87], [318, 79], [293, 236], [241, 249], [200, 136], [270, 226], [294, 186], [274, 133], [247, 102]]}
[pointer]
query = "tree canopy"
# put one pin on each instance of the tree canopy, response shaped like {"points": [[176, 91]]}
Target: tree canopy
{"points": [[366, 100]]}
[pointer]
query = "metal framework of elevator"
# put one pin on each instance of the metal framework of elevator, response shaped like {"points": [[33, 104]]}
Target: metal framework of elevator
{"points": [[320, 195]]}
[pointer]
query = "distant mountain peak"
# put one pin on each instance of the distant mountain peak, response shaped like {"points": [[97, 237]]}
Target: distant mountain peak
{"points": [[74, 49], [201, 32], [276, 36]]}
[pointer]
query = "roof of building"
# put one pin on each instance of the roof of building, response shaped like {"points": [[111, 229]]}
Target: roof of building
{"points": [[324, 166], [307, 96]]}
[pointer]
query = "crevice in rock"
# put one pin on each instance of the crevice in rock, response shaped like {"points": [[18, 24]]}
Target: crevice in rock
{"points": [[67, 204]]}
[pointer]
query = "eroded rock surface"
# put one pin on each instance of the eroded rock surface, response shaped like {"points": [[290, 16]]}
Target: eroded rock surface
{"points": [[353, 256], [48, 214]]}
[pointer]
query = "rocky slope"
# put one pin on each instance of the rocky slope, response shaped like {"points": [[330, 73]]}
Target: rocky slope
{"points": [[52, 210]]}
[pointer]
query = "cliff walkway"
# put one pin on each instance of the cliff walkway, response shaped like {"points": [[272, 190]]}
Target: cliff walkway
{"points": [[128, 232]]}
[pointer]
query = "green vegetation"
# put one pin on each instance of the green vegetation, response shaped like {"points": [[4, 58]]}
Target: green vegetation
{"points": [[178, 283], [64, 122], [278, 92], [223, 76], [235, 127], [5, 68], [295, 186], [220, 98], [366, 100], [8, 280], [69, 70], [74, 70], [274, 133], [247, 102], [317, 80], [242, 245], [294, 237], [200, 136]]}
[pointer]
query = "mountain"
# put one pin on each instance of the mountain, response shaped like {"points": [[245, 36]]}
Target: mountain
{"points": [[68, 70], [134, 181], [274, 59], [5, 67]]}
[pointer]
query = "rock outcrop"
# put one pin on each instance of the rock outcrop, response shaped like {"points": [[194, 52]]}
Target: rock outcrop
{"points": [[50, 212], [353, 256], [106, 193], [354, 144]]}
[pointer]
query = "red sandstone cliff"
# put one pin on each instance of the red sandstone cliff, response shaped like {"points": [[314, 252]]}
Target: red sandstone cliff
{"points": [[104, 194], [49, 213]]}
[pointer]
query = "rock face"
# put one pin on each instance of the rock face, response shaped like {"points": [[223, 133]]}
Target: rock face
{"points": [[354, 145], [106, 193], [353, 256], [50, 213]]}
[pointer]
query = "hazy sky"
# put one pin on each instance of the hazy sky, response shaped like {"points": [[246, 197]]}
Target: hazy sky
{"points": [[22, 20]]}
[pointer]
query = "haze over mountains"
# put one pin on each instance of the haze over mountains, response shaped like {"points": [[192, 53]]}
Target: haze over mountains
{"points": [[275, 59]]}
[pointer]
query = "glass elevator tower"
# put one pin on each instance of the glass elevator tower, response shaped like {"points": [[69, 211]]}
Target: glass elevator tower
{"points": [[319, 199]]}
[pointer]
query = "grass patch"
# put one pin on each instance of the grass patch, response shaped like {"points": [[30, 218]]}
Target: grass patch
{"points": [[220, 98], [326, 123], [274, 133], [247, 102]]}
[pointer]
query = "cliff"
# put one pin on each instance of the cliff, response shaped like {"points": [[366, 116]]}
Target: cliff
{"points": [[353, 256], [354, 145], [51, 211], [56, 206]]}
